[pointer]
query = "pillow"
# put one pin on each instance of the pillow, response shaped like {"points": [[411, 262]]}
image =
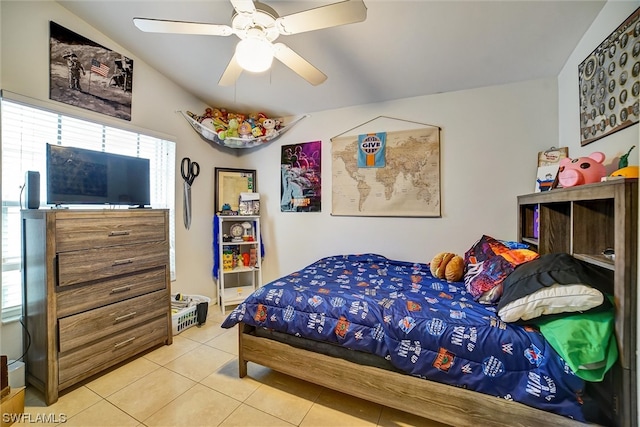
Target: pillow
{"points": [[514, 245], [491, 296], [553, 299], [487, 263], [550, 285]]}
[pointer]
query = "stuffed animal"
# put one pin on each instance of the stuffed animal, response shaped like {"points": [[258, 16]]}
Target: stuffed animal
{"points": [[256, 131], [269, 126], [208, 123], [218, 113], [582, 170], [227, 124], [194, 116], [244, 130], [232, 130], [447, 265]]}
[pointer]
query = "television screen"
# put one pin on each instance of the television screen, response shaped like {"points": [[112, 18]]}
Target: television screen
{"points": [[80, 176]]}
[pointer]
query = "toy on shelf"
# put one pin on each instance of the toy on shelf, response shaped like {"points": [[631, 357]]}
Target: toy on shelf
{"points": [[582, 170], [624, 159], [238, 130], [624, 170]]}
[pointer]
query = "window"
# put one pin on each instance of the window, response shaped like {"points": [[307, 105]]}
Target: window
{"points": [[25, 132]]}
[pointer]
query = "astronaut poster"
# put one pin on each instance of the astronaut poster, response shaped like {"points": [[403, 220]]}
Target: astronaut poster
{"points": [[87, 75], [300, 189]]}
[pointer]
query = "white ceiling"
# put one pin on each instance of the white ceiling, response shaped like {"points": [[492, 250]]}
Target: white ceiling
{"points": [[402, 49]]}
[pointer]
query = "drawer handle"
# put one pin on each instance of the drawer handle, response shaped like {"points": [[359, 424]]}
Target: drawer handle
{"points": [[120, 289], [122, 262], [123, 343], [120, 233], [125, 317]]}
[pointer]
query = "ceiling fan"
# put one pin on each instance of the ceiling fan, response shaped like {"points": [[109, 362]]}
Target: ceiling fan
{"points": [[258, 26]]}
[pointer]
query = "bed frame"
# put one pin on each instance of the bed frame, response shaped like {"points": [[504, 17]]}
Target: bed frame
{"points": [[428, 399], [570, 216]]}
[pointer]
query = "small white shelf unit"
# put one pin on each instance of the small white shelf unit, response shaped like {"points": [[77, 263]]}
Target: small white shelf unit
{"points": [[240, 259]]}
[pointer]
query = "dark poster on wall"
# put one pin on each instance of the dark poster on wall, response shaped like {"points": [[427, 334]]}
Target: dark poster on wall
{"points": [[87, 75], [300, 189]]}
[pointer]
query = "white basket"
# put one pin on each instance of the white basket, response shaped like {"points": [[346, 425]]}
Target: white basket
{"points": [[186, 317]]}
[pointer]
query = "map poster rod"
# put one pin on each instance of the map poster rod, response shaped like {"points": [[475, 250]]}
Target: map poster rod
{"points": [[383, 117]]}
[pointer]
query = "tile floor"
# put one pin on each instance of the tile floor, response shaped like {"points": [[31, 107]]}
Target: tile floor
{"points": [[195, 382]]}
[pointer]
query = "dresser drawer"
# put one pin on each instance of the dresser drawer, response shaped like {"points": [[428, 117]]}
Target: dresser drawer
{"points": [[100, 230], [86, 361], [74, 299], [93, 264], [84, 328]]}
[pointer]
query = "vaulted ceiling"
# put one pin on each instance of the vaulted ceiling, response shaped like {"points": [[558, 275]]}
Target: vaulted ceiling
{"points": [[402, 49]]}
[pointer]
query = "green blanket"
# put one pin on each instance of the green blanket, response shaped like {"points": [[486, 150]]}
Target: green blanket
{"points": [[586, 341]]}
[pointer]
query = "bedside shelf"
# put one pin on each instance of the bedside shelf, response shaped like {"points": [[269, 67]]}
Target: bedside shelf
{"points": [[599, 260], [583, 221]]}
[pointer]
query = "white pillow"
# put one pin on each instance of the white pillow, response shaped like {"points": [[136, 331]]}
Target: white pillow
{"points": [[552, 300]]}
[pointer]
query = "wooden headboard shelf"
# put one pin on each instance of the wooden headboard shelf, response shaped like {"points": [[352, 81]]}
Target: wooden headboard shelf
{"points": [[584, 221]]}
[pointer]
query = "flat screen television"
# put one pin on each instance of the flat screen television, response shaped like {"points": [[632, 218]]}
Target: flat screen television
{"points": [[80, 176]]}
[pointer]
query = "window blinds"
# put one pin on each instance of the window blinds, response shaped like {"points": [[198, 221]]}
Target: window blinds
{"points": [[25, 132]]}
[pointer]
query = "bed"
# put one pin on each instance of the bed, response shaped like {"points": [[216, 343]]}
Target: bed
{"points": [[390, 332]]}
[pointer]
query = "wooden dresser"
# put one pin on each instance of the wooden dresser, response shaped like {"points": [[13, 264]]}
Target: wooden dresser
{"points": [[96, 291]]}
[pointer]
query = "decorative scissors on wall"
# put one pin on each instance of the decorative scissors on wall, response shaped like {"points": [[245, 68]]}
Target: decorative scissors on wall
{"points": [[190, 170]]}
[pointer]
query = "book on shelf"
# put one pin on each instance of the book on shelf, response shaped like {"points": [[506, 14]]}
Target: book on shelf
{"points": [[548, 166]]}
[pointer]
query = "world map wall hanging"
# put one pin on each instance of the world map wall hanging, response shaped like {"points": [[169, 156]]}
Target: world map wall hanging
{"points": [[406, 184], [609, 83]]}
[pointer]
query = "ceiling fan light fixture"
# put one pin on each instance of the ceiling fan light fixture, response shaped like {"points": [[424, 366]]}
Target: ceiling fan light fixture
{"points": [[254, 54]]}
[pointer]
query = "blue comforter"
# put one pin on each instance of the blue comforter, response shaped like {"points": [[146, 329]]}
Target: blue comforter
{"points": [[424, 326]]}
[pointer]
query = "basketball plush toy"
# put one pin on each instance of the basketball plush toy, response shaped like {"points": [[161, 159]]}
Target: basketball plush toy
{"points": [[447, 265]]}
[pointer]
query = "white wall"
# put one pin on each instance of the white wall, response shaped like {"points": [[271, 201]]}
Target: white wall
{"points": [[489, 142], [24, 69]]}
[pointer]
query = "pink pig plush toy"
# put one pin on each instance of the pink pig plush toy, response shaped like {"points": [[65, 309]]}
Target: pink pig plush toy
{"points": [[583, 170]]}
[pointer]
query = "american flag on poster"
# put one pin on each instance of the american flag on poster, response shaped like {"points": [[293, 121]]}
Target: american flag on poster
{"points": [[99, 67]]}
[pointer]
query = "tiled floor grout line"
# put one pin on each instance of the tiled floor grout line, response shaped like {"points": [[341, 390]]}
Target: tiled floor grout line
{"points": [[241, 405]]}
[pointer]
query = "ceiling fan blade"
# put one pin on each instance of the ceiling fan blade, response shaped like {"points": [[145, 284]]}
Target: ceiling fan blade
{"points": [[181, 27], [244, 7], [231, 73], [298, 64], [331, 15]]}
